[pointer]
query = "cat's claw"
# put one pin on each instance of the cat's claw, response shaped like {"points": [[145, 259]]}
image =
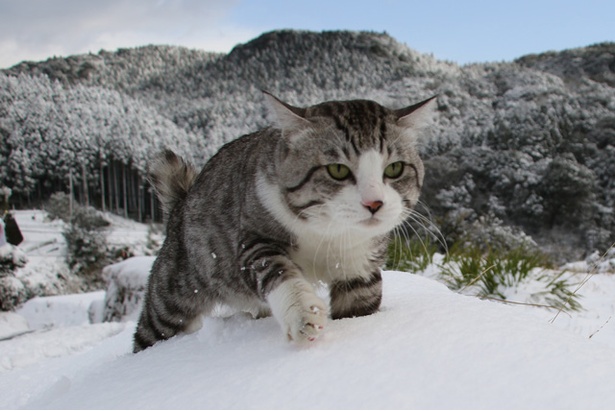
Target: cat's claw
{"points": [[310, 325]]}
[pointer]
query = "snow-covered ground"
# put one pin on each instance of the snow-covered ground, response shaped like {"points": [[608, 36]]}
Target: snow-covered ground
{"points": [[428, 347]]}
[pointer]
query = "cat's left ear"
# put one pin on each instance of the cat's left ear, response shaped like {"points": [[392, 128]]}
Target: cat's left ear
{"points": [[417, 115], [287, 117]]}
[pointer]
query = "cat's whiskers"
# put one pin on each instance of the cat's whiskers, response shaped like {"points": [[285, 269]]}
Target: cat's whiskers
{"points": [[397, 233], [426, 223], [423, 222], [430, 227]]}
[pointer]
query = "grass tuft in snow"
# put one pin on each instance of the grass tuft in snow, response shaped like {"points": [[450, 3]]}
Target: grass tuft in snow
{"points": [[521, 274]]}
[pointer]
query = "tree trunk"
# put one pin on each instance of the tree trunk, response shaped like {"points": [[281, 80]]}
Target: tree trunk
{"points": [[124, 191], [116, 189], [139, 199], [102, 187], [152, 207], [70, 194], [86, 196]]}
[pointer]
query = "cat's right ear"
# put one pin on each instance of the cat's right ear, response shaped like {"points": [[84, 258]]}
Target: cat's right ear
{"points": [[287, 117], [417, 115]]}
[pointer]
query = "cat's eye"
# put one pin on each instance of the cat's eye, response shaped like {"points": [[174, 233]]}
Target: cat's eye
{"points": [[338, 171], [394, 170]]}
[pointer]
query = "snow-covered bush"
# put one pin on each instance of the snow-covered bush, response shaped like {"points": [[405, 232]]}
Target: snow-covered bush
{"points": [[11, 257], [58, 207], [87, 250], [87, 244], [126, 282], [490, 233], [12, 291], [27, 279]]}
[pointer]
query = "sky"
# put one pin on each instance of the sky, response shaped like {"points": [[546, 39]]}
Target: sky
{"points": [[462, 31]]}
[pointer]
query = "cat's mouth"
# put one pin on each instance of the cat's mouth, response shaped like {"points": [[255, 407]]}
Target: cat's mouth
{"points": [[371, 222]]}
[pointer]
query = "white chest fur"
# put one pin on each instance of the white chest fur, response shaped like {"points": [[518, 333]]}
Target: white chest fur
{"points": [[328, 259]]}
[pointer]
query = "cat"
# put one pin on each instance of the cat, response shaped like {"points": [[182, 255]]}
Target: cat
{"points": [[312, 199]]}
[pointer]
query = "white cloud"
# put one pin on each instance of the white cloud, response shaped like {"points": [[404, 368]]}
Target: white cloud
{"points": [[38, 29]]}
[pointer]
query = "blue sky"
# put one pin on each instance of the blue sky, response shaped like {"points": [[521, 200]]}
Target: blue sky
{"points": [[458, 30]]}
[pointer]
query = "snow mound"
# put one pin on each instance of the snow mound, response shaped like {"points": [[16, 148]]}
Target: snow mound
{"points": [[426, 348], [126, 282], [59, 311]]}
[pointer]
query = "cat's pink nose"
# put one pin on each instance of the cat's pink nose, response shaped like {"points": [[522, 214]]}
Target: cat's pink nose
{"points": [[372, 206]]}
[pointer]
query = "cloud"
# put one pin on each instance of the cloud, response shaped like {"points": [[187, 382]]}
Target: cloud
{"points": [[38, 29]]}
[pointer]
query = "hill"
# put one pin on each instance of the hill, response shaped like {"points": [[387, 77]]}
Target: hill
{"points": [[526, 144]]}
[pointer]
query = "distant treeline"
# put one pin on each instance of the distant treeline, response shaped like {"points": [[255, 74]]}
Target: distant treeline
{"points": [[91, 140]]}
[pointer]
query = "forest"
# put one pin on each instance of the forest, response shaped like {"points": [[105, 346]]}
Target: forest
{"points": [[526, 145]]}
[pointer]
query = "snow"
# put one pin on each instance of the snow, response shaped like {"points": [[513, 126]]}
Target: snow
{"points": [[12, 324], [35, 347], [428, 347], [58, 311]]}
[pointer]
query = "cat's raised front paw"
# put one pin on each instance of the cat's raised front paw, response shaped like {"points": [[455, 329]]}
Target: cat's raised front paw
{"points": [[308, 324], [301, 313]]}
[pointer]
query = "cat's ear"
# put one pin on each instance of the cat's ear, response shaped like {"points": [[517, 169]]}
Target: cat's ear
{"points": [[417, 115], [287, 117]]}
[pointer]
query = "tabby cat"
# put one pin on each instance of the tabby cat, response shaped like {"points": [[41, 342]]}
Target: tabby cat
{"points": [[311, 200]]}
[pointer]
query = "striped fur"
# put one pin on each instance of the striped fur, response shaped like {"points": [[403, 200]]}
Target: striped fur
{"points": [[171, 177], [265, 220]]}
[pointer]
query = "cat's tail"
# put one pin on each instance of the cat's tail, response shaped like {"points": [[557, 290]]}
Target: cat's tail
{"points": [[171, 177]]}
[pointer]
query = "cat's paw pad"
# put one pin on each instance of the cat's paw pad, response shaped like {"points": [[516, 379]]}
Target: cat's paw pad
{"points": [[308, 322]]}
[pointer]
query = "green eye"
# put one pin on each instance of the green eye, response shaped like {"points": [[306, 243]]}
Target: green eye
{"points": [[338, 171], [394, 170]]}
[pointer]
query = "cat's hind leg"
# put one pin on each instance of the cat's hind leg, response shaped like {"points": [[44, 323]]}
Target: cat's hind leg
{"points": [[158, 323], [170, 307]]}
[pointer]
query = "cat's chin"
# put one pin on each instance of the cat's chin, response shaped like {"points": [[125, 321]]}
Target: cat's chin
{"points": [[376, 226]]}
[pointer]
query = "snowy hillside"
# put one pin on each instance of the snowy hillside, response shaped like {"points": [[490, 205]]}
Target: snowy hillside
{"points": [[428, 347], [529, 142]]}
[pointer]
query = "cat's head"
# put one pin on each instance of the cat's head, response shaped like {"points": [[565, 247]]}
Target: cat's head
{"points": [[348, 166]]}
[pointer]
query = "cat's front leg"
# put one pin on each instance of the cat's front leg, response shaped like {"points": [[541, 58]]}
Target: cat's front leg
{"points": [[293, 301], [356, 297], [300, 312]]}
